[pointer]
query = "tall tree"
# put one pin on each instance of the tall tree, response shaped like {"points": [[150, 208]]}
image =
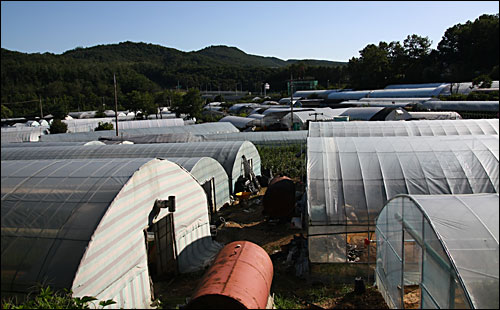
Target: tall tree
{"points": [[191, 104]]}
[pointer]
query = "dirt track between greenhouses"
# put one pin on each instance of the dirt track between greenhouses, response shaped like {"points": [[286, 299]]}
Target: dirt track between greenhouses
{"points": [[244, 221]]}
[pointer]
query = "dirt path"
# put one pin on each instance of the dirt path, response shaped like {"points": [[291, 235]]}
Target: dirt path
{"points": [[244, 221]]}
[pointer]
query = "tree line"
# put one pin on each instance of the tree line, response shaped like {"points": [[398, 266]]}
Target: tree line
{"points": [[149, 76]]}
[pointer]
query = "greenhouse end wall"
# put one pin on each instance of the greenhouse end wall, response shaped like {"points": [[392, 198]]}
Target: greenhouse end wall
{"points": [[443, 247]]}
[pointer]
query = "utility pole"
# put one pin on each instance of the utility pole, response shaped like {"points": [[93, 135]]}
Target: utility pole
{"points": [[315, 115], [116, 105], [291, 101], [41, 111]]}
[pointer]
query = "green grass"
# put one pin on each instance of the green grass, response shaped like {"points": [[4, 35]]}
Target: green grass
{"points": [[48, 299], [286, 302]]}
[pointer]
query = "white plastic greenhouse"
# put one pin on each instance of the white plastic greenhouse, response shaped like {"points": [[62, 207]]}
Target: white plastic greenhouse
{"points": [[22, 134], [443, 248], [239, 122], [82, 224], [228, 153], [269, 138], [303, 118], [472, 106], [204, 128], [349, 179], [211, 176], [408, 128]]}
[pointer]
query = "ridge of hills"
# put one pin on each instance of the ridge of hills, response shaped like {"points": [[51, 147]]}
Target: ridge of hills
{"points": [[132, 52]]}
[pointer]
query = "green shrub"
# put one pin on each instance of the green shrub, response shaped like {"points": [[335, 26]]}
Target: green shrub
{"points": [[104, 126], [58, 126], [48, 299], [287, 160]]}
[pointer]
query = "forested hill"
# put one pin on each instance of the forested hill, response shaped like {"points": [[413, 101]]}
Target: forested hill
{"points": [[131, 52], [82, 78], [236, 57]]}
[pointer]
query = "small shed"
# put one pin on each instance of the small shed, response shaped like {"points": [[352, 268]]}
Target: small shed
{"points": [[88, 225], [443, 247]]}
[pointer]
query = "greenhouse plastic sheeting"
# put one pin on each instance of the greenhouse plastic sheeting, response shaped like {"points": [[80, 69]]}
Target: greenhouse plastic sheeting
{"points": [[452, 241], [156, 138], [238, 122], [363, 173], [203, 169], [410, 92], [407, 128], [214, 127], [35, 144], [262, 137], [471, 106], [89, 124], [25, 134], [228, 153], [79, 224]]}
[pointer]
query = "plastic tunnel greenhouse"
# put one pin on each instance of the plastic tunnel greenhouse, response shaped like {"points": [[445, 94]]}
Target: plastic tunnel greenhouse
{"points": [[349, 180], [228, 153], [408, 128], [269, 138], [81, 224], [204, 128], [207, 170], [444, 247]]}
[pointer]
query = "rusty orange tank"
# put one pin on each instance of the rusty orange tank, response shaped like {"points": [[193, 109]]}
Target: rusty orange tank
{"points": [[239, 278]]}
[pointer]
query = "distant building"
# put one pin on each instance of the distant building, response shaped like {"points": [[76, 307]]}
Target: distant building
{"points": [[302, 85]]}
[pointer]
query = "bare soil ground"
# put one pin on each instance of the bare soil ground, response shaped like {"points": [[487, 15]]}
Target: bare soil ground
{"points": [[244, 221]]}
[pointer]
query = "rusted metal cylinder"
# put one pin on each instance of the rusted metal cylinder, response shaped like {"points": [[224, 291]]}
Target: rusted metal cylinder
{"points": [[239, 278], [279, 199]]}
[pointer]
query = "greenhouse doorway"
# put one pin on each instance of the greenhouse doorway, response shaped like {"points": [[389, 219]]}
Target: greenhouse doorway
{"points": [[209, 188], [412, 271], [162, 258]]}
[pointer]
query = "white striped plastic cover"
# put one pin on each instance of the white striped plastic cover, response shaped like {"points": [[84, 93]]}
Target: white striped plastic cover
{"points": [[79, 224], [228, 153], [406, 128], [349, 179]]}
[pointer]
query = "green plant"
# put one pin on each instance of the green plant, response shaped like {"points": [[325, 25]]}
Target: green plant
{"points": [[286, 302], [288, 160], [104, 126], [58, 126], [48, 299]]}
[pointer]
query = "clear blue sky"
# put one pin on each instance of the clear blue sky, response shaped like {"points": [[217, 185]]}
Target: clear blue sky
{"points": [[285, 29]]}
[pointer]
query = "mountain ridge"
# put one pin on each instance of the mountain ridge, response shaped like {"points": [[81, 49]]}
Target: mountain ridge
{"points": [[221, 55]]}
